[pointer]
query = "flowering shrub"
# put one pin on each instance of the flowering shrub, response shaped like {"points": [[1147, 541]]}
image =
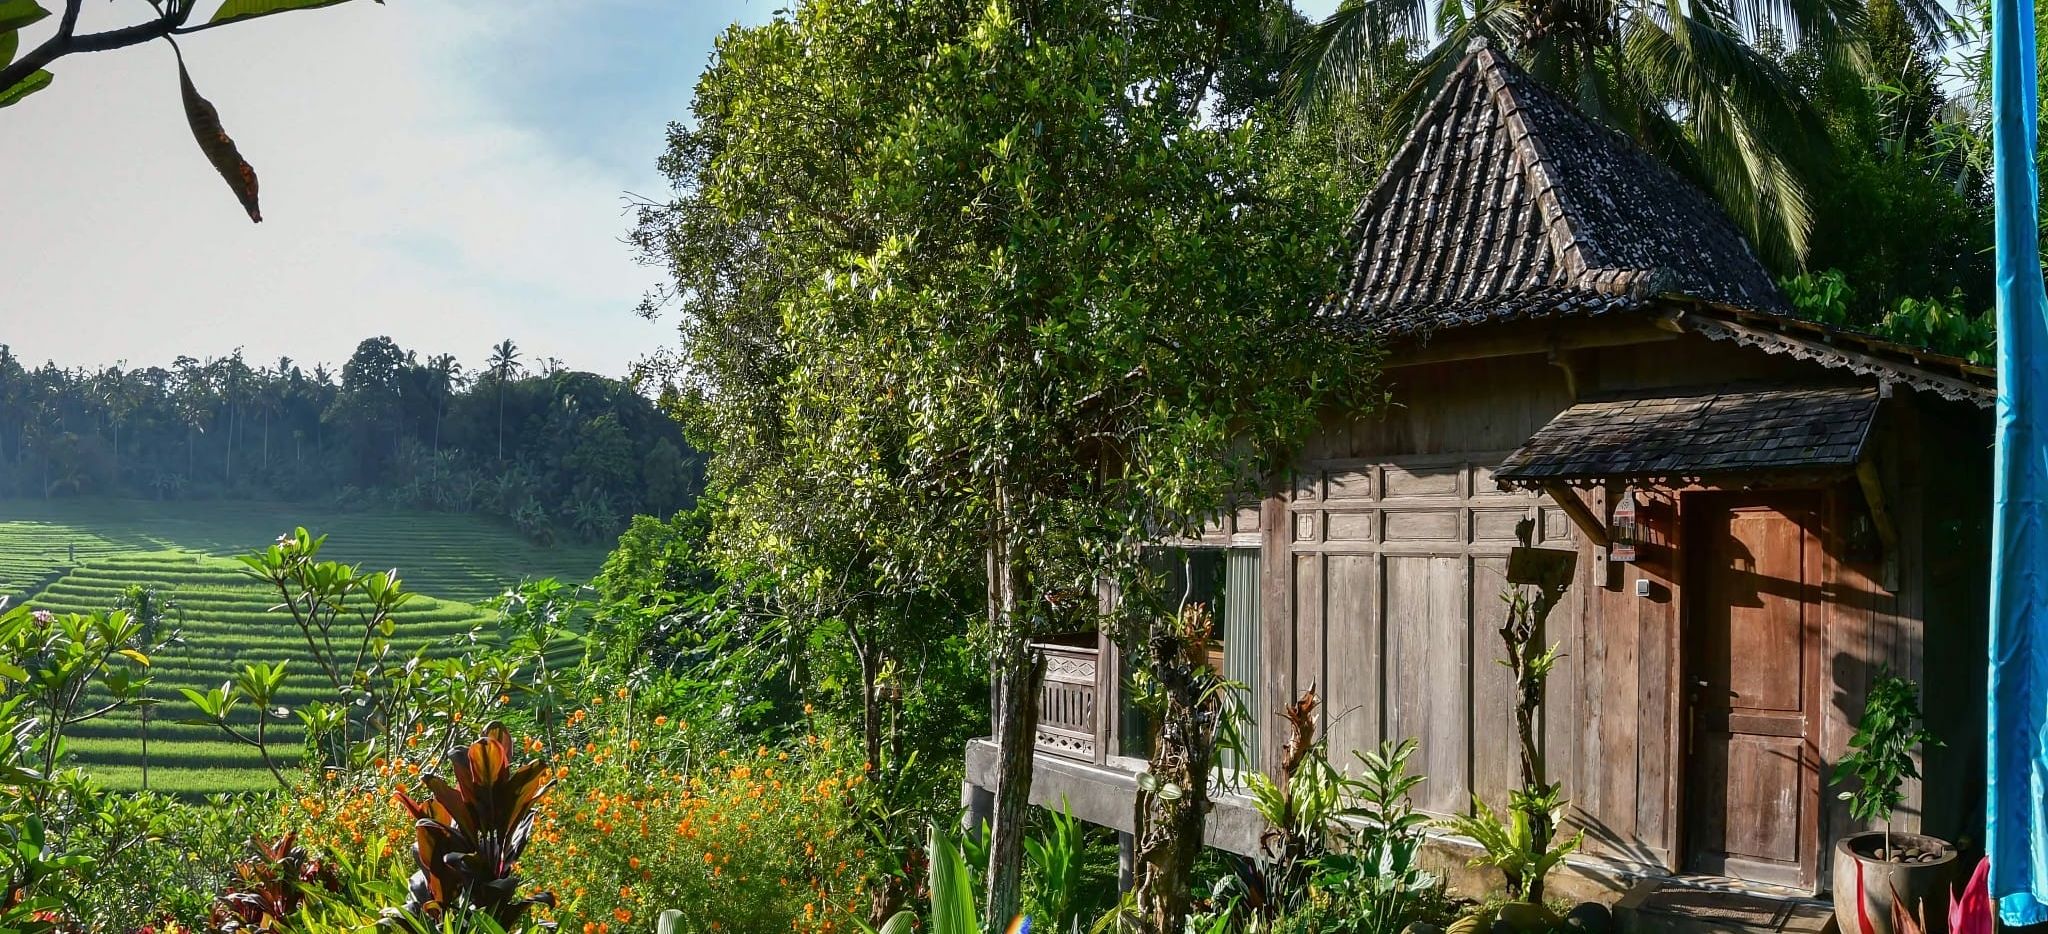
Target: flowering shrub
{"points": [[643, 818]]}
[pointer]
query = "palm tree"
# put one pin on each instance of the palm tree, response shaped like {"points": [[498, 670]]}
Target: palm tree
{"points": [[444, 376], [194, 406], [504, 362], [1684, 79]]}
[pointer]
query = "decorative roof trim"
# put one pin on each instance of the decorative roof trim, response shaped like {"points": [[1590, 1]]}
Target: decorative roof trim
{"points": [[1921, 371]]}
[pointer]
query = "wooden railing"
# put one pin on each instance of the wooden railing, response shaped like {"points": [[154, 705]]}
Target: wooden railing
{"points": [[1069, 711]]}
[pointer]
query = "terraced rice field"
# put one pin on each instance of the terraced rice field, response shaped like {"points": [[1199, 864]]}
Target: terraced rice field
{"points": [[223, 616]]}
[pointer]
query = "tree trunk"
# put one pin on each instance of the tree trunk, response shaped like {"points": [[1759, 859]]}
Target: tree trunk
{"points": [[1016, 694], [1169, 826], [1016, 675], [871, 708]]}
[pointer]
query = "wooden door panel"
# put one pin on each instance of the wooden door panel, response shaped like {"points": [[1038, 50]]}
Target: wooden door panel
{"points": [[1765, 772], [1752, 632], [1757, 598]]}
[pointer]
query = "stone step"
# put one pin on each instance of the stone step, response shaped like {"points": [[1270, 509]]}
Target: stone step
{"points": [[1679, 906]]}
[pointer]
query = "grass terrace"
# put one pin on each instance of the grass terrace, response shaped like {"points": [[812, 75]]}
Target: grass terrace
{"points": [[222, 616]]}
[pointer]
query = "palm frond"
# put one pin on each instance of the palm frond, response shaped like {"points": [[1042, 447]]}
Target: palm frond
{"points": [[1342, 54], [1745, 125]]}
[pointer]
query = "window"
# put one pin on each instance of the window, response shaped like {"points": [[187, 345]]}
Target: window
{"points": [[1226, 580]]}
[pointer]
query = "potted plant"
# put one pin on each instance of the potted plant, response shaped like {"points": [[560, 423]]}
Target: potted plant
{"points": [[1878, 867]]}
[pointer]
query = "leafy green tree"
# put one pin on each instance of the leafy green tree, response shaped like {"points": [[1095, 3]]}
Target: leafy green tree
{"points": [[25, 72], [996, 271], [1686, 82]]}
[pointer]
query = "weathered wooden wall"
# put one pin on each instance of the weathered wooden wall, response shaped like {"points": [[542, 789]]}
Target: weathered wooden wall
{"points": [[1385, 559]]}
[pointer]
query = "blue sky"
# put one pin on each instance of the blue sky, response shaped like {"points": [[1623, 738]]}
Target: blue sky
{"points": [[447, 172]]}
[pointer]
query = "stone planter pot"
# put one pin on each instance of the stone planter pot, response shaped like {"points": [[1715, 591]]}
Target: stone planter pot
{"points": [[1919, 884]]}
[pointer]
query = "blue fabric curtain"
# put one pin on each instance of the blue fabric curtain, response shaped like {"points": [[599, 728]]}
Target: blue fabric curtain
{"points": [[2017, 812]]}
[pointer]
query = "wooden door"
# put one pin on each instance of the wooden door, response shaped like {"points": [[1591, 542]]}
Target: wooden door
{"points": [[1752, 675]]}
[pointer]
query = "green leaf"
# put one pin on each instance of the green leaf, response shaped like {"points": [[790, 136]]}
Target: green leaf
{"points": [[29, 85], [15, 14], [10, 42], [250, 9], [952, 892]]}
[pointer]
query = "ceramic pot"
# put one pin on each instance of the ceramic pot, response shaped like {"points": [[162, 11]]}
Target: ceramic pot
{"points": [[1923, 885]]}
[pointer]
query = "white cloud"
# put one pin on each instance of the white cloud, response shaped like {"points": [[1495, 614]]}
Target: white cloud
{"points": [[398, 199]]}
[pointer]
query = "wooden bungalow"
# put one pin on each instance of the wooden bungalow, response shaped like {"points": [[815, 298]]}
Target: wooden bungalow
{"points": [[1766, 511]]}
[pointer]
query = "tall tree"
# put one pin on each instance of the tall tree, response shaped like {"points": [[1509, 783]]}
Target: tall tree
{"points": [[444, 376], [504, 363], [1685, 81], [1009, 269]]}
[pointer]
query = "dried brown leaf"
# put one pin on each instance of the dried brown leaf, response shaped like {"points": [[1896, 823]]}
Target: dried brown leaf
{"points": [[218, 146]]}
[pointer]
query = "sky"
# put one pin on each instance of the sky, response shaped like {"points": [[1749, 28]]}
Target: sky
{"points": [[449, 173]]}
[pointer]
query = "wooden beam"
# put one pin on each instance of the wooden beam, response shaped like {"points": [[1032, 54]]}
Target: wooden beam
{"points": [[1576, 509], [1881, 516], [1532, 338]]}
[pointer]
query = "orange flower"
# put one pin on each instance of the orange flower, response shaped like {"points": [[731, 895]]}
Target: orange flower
{"points": [[633, 862], [589, 927], [661, 720], [623, 915], [625, 892]]}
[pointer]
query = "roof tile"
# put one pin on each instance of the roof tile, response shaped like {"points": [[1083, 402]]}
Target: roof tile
{"points": [[1507, 203]]}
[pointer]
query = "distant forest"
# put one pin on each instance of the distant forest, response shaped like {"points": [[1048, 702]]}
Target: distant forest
{"points": [[556, 452]]}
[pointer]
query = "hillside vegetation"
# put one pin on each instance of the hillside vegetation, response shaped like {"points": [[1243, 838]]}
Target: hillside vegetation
{"points": [[221, 618]]}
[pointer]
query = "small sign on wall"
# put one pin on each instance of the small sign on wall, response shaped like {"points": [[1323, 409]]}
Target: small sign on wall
{"points": [[1622, 530]]}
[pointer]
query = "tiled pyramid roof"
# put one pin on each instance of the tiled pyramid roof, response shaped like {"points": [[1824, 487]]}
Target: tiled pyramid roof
{"points": [[1507, 203]]}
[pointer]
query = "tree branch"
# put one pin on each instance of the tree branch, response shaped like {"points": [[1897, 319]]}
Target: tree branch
{"points": [[66, 41]]}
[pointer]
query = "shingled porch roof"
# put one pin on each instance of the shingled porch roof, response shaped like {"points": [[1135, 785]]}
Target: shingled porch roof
{"points": [[1506, 203], [1683, 435]]}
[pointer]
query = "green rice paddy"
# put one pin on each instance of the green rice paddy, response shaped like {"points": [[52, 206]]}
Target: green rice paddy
{"points": [[80, 555]]}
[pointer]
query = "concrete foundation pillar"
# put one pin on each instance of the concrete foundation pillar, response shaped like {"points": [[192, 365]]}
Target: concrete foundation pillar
{"points": [[1126, 861], [978, 805]]}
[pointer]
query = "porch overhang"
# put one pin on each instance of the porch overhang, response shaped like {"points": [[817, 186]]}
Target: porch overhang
{"points": [[1742, 435]]}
